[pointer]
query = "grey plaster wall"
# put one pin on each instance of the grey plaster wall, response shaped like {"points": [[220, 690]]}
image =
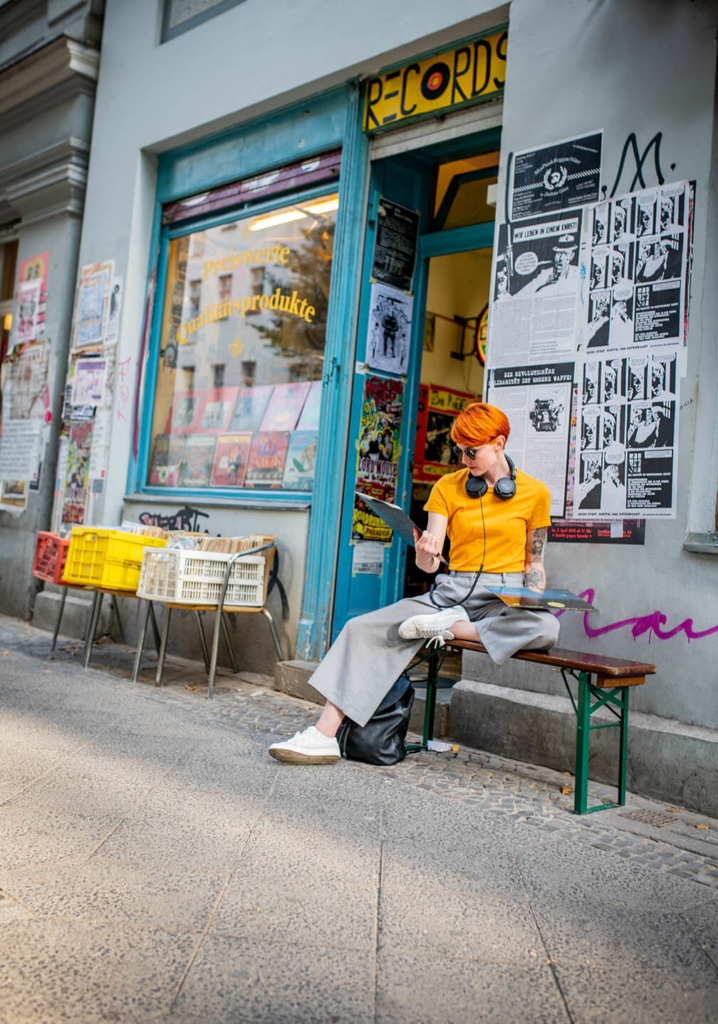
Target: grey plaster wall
{"points": [[643, 67]]}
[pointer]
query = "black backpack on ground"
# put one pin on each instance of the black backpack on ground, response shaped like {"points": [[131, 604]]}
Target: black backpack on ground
{"points": [[381, 740]]}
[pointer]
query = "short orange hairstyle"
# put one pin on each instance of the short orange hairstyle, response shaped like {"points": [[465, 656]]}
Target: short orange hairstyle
{"points": [[479, 423]]}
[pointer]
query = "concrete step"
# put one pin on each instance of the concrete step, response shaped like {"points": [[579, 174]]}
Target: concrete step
{"points": [[75, 615], [667, 760]]}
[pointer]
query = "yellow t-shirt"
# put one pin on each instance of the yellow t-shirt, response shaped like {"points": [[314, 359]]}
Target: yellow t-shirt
{"points": [[506, 523]]}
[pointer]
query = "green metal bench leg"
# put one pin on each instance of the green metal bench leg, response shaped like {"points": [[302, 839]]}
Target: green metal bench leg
{"points": [[432, 682], [618, 698], [623, 753], [583, 742]]}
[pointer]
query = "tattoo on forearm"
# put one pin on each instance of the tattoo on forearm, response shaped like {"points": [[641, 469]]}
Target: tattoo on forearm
{"points": [[538, 542], [535, 577]]}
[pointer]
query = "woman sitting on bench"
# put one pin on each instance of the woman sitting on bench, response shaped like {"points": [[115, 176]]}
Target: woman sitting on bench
{"points": [[496, 518]]}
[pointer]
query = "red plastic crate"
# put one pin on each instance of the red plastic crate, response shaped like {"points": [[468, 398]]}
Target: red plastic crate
{"points": [[50, 556]]}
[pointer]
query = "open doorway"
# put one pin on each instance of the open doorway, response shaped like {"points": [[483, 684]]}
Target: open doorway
{"points": [[451, 372]]}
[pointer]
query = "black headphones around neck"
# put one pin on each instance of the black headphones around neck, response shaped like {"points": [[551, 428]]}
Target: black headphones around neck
{"points": [[504, 488]]}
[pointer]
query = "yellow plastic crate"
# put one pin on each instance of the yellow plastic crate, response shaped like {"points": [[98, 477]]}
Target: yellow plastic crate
{"points": [[107, 558]]}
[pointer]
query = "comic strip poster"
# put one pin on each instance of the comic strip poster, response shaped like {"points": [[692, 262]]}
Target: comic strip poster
{"points": [[637, 264], [627, 435], [537, 401], [535, 311], [556, 177], [389, 333], [377, 454], [569, 530]]}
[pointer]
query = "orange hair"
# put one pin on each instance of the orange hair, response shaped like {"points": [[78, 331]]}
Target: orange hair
{"points": [[479, 424]]}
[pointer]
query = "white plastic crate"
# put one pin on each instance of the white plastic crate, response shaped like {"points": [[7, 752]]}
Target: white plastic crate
{"points": [[195, 577]]}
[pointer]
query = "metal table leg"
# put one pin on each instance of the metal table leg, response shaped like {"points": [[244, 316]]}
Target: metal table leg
{"points": [[92, 627], [59, 617], [141, 641], [163, 645], [202, 639], [228, 642]]}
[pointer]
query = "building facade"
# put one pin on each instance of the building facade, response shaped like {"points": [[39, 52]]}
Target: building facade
{"points": [[311, 235], [49, 62]]}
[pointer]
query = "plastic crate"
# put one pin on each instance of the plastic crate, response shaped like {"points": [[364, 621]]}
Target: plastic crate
{"points": [[50, 556], [195, 578], [107, 558]]}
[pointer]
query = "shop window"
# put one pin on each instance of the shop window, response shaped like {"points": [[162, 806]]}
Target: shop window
{"points": [[180, 16], [241, 353]]}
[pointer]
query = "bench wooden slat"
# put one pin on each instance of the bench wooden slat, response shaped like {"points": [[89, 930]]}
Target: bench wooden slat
{"points": [[608, 671]]}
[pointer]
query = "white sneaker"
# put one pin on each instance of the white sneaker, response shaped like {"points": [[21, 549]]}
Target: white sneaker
{"points": [[308, 747], [433, 627]]}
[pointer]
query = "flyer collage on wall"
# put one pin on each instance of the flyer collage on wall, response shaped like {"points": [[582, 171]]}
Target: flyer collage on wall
{"points": [[387, 351], [587, 338], [25, 424], [87, 405]]}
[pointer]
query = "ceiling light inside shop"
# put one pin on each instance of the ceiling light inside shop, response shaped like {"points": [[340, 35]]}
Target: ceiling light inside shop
{"points": [[325, 206]]}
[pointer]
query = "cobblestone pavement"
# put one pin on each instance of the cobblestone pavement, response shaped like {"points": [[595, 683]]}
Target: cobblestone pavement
{"points": [[662, 837]]}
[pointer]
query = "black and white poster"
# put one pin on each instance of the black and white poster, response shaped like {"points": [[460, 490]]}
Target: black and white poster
{"points": [[556, 177], [535, 313], [389, 333], [637, 261], [397, 230], [627, 436], [537, 401]]}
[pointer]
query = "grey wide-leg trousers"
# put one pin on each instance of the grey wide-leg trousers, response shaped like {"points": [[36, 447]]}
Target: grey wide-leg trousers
{"points": [[367, 657]]}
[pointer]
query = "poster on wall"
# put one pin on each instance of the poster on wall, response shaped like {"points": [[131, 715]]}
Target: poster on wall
{"points": [[627, 432], [569, 530], [637, 259], [92, 304], [434, 451], [537, 401], [377, 454], [32, 292], [556, 177], [28, 311], [77, 478], [397, 231], [389, 333], [535, 312]]}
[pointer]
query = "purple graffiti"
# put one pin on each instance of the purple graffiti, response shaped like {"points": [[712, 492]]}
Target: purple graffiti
{"points": [[640, 624]]}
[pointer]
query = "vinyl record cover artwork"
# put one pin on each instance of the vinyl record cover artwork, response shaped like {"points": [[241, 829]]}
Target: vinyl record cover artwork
{"points": [[231, 457], [267, 455]]}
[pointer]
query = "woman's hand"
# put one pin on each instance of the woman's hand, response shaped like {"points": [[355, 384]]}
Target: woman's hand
{"points": [[429, 543]]}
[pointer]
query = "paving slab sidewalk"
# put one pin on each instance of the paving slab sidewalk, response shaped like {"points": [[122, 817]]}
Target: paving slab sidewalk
{"points": [[157, 865]]}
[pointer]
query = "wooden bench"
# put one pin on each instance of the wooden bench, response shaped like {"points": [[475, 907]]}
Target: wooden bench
{"points": [[602, 682]]}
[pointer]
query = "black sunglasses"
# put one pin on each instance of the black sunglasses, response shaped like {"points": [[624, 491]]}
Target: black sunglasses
{"points": [[468, 452]]}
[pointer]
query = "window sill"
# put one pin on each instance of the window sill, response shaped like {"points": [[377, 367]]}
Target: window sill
{"points": [[701, 543]]}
